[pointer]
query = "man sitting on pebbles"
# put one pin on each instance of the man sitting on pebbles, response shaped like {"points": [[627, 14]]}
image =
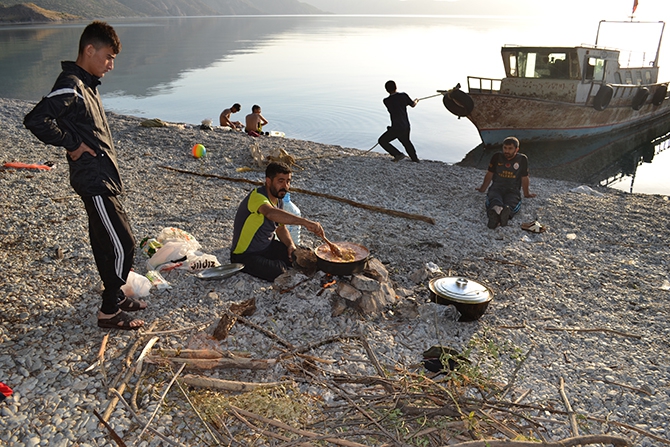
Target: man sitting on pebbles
{"points": [[255, 122], [71, 116], [261, 240], [224, 118], [508, 173]]}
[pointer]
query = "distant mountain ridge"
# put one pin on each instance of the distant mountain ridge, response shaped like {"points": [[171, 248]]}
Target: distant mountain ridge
{"points": [[51, 10]]}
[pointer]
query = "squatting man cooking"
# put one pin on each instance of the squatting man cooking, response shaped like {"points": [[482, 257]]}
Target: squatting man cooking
{"points": [[261, 240]]}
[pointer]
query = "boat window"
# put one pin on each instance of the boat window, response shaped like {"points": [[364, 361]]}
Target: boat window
{"points": [[647, 77], [541, 64], [595, 69], [638, 77], [512, 65], [629, 77], [617, 77]]}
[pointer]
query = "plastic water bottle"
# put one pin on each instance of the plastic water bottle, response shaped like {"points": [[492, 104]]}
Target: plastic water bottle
{"points": [[293, 209]]}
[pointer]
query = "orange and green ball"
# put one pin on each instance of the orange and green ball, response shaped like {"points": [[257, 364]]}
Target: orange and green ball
{"points": [[199, 151]]}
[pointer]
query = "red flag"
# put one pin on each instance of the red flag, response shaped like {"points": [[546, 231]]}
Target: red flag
{"points": [[634, 6]]}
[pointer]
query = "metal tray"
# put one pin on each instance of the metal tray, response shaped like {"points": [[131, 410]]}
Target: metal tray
{"points": [[220, 272]]}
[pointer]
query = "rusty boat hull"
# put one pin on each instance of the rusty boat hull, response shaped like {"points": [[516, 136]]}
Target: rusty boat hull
{"points": [[498, 116]]}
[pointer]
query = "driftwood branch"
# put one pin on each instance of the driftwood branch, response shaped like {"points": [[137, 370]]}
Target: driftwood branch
{"points": [[568, 442], [141, 420], [128, 374], [378, 209], [115, 436], [566, 402], [305, 433], [228, 385], [160, 401], [259, 328], [235, 362]]}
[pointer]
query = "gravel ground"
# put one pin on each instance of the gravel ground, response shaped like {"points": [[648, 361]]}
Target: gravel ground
{"points": [[600, 270]]}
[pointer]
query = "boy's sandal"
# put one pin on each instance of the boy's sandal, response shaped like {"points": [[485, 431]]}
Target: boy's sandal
{"points": [[533, 227], [131, 305], [119, 321]]}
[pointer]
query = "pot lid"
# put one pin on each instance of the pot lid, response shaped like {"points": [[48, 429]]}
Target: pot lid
{"points": [[461, 290]]}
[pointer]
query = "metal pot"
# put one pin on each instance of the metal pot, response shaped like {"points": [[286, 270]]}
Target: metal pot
{"points": [[342, 268], [470, 298]]}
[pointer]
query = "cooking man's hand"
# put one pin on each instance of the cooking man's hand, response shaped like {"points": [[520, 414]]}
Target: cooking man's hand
{"points": [[315, 227]]}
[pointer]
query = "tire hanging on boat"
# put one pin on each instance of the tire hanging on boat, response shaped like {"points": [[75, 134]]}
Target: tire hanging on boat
{"points": [[659, 95], [640, 98], [458, 102], [603, 97]]}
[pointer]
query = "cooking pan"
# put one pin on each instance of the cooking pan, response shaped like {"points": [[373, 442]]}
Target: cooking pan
{"points": [[328, 264]]}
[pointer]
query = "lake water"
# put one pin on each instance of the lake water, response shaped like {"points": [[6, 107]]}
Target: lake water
{"points": [[318, 78]]}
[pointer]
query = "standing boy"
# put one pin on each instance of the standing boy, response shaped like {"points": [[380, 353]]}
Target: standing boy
{"points": [[71, 116]]}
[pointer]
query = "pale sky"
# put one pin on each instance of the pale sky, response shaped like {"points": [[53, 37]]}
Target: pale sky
{"points": [[565, 9]]}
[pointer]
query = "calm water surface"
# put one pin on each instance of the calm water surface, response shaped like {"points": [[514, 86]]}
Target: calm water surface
{"points": [[317, 78]]}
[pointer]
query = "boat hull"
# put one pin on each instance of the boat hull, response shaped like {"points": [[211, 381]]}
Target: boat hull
{"points": [[498, 116]]}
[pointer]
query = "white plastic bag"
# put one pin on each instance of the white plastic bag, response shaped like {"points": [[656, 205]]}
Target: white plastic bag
{"points": [[173, 251], [197, 260], [171, 234], [136, 285]]}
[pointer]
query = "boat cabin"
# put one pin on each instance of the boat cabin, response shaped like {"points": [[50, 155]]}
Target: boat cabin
{"points": [[570, 74]]}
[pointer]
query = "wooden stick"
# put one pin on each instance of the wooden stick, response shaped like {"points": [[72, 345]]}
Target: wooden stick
{"points": [[153, 415], [202, 353], [573, 417], [237, 362], [640, 390], [197, 413], [599, 329], [305, 433], [259, 328], [378, 209], [568, 442], [141, 420], [145, 351], [115, 436], [129, 374], [228, 385]]}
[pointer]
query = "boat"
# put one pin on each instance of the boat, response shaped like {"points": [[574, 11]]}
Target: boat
{"points": [[564, 93]]}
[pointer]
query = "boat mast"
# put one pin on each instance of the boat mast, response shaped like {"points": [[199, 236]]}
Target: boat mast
{"points": [[660, 39]]}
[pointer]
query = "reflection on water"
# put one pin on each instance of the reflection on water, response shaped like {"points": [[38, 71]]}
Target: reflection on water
{"points": [[616, 160], [317, 78]]}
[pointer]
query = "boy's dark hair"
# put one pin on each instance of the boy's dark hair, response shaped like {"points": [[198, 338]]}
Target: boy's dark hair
{"points": [[390, 86], [255, 107], [99, 34], [237, 106], [514, 141], [275, 168]]}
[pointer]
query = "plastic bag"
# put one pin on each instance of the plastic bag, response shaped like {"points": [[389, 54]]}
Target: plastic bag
{"points": [[157, 280], [197, 260], [170, 252], [171, 234], [136, 285]]}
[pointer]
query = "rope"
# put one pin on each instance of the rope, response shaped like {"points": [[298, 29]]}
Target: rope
{"points": [[432, 96]]}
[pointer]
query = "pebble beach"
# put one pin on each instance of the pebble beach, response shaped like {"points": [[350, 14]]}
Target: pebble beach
{"points": [[587, 302]]}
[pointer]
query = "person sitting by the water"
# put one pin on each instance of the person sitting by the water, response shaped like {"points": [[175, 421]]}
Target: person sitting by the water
{"points": [[261, 240], [224, 118], [507, 174], [255, 122]]}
